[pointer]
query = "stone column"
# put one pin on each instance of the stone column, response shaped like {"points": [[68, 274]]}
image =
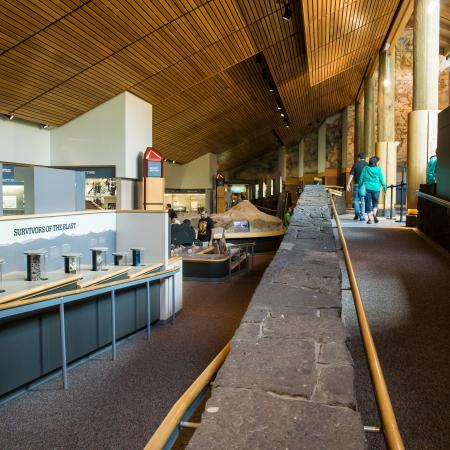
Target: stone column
{"points": [[422, 121], [359, 128], [322, 150], [345, 163], [386, 147], [369, 116]]}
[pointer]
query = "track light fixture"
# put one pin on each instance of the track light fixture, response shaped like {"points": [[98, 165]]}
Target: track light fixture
{"points": [[44, 125], [267, 76], [9, 116], [287, 14]]}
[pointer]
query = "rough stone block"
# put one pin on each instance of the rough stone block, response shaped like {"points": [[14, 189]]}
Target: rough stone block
{"points": [[275, 365], [335, 387], [275, 294], [253, 419], [335, 353], [318, 329]]}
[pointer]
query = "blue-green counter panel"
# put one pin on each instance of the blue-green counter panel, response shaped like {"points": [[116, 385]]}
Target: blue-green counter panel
{"points": [[30, 345]]}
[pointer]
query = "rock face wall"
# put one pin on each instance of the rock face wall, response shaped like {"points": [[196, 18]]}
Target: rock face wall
{"points": [[288, 381], [311, 153], [266, 166], [292, 162], [334, 142], [350, 135]]}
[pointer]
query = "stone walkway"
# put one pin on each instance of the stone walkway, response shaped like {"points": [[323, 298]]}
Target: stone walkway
{"points": [[288, 381]]}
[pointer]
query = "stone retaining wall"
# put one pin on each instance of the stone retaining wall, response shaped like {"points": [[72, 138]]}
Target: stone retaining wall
{"points": [[288, 381]]}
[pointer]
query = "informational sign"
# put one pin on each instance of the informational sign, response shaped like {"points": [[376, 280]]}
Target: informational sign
{"points": [[153, 163], [154, 169], [220, 179], [8, 173], [72, 232], [95, 172]]}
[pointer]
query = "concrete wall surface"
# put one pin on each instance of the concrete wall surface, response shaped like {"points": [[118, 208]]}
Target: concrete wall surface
{"points": [[197, 174], [288, 381], [23, 142], [94, 138]]}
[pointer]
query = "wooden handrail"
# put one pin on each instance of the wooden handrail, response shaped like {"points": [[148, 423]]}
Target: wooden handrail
{"points": [[173, 418], [434, 199], [390, 428]]}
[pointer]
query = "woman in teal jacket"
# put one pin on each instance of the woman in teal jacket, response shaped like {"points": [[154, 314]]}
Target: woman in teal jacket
{"points": [[372, 179]]}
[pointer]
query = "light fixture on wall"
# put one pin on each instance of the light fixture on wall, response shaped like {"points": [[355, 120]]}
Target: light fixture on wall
{"points": [[287, 13]]}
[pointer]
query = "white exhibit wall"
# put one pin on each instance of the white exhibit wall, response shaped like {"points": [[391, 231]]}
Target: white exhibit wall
{"points": [[197, 174], [166, 305], [138, 132], [24, 142], [114, 133], [95, 138], [147, 230]]}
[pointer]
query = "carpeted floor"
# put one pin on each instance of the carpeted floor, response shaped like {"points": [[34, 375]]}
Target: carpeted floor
{"points": [[118, 405], [405, 285]]}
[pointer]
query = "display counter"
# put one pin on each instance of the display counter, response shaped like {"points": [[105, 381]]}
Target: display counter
{"points": [[203, 265], [91, 309], [137, 271], [17, 288], [93, 278], [265, 241]]}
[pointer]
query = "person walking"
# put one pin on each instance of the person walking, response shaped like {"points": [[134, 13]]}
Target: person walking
{"points": [[371, 180], [355, 175]]}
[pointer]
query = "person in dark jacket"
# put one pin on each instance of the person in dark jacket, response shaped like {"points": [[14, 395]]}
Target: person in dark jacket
{"points": [[372, 179]]}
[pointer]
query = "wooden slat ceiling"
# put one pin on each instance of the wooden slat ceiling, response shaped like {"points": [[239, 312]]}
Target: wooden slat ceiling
{"points": [[444, 29], [194, 60], [343, 33]]}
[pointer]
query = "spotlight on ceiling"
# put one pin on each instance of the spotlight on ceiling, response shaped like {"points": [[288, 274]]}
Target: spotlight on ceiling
{"points": [[271, 87], [279, 108], [9, 116], [287, 14], [44, 125]]}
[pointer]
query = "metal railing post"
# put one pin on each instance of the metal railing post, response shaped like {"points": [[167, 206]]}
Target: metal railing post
{"points": [[173, 299], [148, 310], [401, 201], [63, 344], [392, 198], [113, 325]]}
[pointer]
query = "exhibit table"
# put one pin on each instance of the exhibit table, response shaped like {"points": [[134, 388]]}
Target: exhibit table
{"points": [[17, 288], [110, 273], [265, 241]]}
